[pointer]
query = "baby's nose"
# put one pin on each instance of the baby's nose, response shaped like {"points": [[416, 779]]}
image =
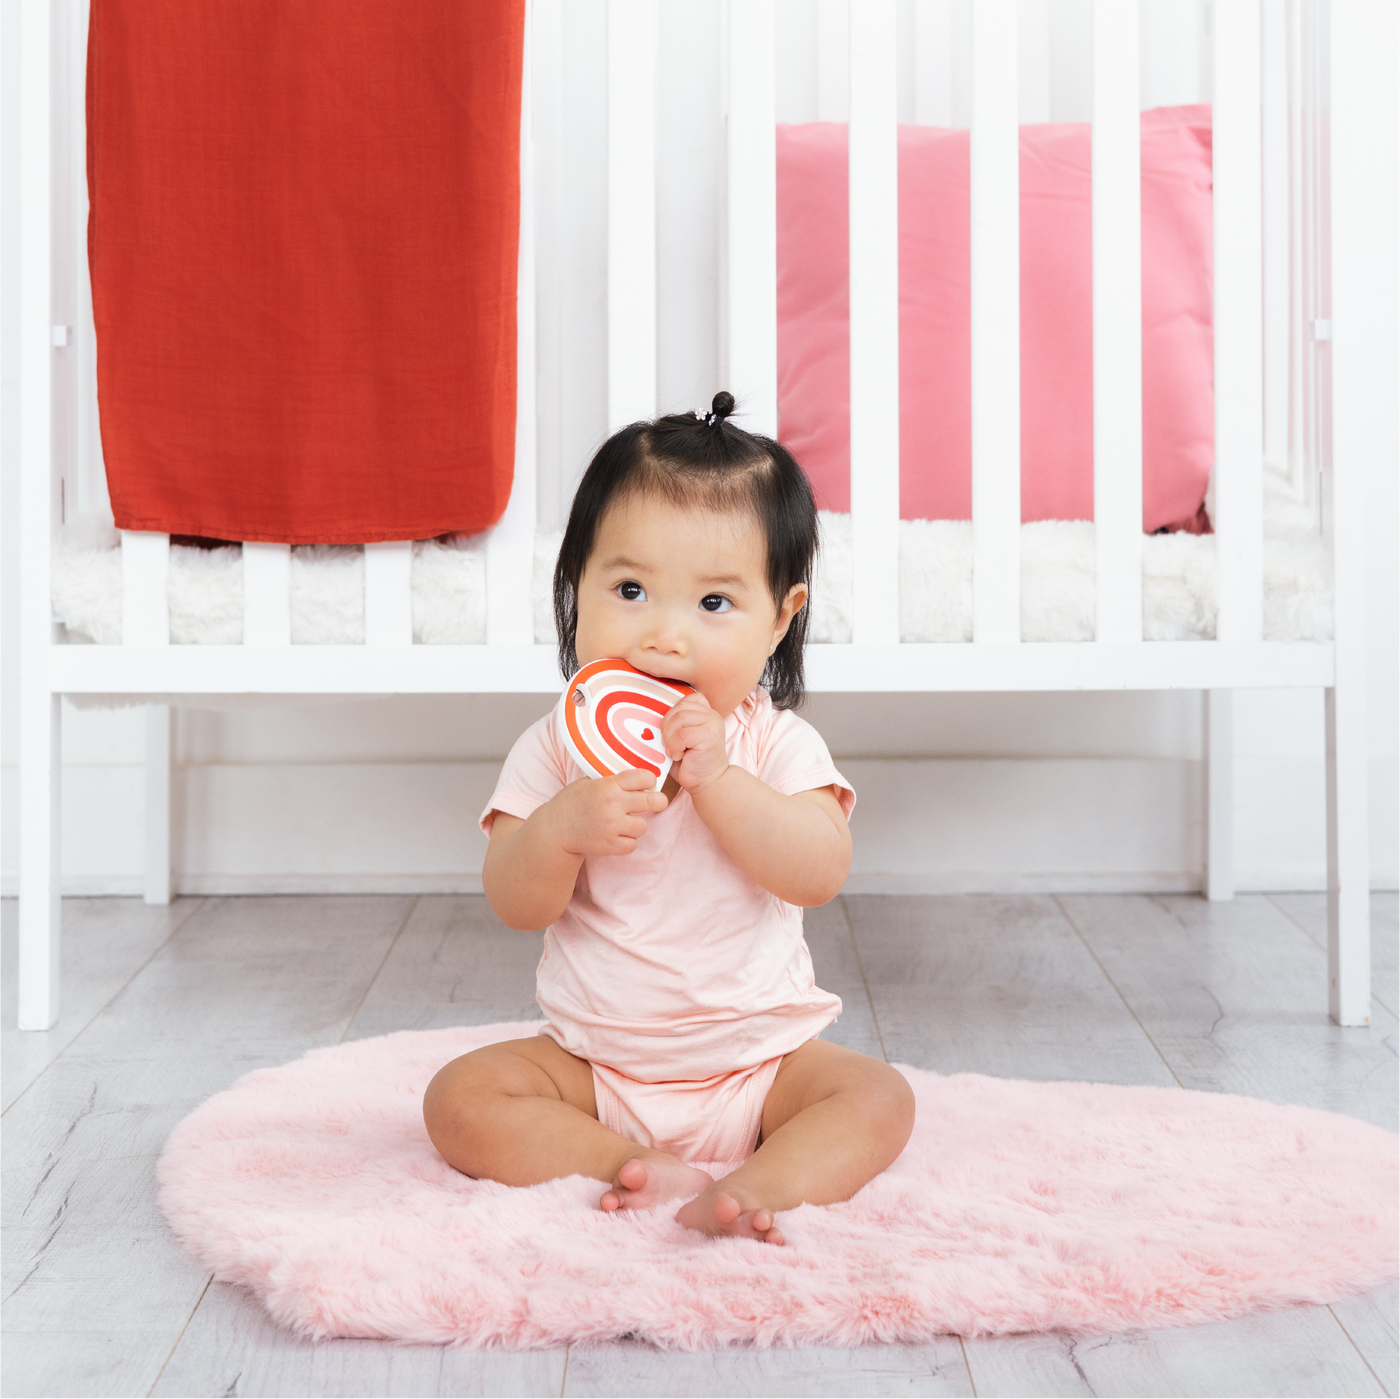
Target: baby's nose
{"points": [[666, 634]]}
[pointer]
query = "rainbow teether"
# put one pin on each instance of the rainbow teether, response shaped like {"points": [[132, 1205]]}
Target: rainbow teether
{"points": [[610, 717]]}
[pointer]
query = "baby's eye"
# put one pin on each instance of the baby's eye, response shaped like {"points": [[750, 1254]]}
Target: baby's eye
{"points": [[631, 592], [715, 602]]}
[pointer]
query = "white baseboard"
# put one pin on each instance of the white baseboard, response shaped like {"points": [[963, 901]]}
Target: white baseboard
{"points": [[998, 882], [219, 885]]}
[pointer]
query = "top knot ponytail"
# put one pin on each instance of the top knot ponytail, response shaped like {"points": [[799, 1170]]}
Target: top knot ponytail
{"points": [[721, 406]]}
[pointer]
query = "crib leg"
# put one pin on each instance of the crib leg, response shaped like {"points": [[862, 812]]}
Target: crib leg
{"points": [[1220, 794], [1348, 868], [158, 803], [40, 860]]}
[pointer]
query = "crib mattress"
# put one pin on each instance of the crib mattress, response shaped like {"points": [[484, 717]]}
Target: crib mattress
{"points": [[205, 588]]}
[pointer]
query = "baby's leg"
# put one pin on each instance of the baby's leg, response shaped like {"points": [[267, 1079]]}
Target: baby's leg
{"points": [[523, 1111], [833, 1120]]}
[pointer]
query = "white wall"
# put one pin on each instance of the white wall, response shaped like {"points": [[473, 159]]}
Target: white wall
{"points": [[1073, 791]]}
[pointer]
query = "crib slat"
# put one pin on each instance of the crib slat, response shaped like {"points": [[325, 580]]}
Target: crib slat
{"points": [[874, 235], [833, 22], [267, 594], [510, 547], [753, 215], [1239, 362], [631, 211], [389, 594], [1117, 244], [933, 63], [145, 571], [996, 326]]}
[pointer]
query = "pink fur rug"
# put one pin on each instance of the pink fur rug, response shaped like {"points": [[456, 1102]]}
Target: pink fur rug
{"points": [[1016, 1207]]}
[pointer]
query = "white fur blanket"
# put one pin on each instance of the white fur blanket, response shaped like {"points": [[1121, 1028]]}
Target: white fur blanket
{"points": [[205, 587]]}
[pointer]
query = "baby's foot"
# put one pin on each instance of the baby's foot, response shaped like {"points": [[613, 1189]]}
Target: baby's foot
{"points": [[647, 1180], [732, 1210]]}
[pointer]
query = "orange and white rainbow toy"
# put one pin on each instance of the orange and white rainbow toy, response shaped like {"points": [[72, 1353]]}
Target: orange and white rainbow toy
{"points": [[610, 717]]}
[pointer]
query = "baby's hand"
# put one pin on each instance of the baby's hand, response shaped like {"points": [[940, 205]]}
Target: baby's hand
{"points": [[694, 737], [605, 815]]}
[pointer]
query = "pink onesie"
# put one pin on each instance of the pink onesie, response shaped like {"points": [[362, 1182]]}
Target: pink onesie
{"points": [[680, 980]]}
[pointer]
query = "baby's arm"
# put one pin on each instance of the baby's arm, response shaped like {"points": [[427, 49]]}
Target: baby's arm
{"points": [[797, 847], [531, 865]]}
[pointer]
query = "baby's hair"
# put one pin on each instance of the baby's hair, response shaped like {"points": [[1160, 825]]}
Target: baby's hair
{"points": [[688, 459]]}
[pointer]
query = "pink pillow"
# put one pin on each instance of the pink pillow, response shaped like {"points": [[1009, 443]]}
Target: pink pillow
{"points": [[1057, 428]]}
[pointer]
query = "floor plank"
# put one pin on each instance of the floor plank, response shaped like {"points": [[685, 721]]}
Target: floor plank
{"points": [[1300, 1351], [1371, 1323], [39, 1364], [104, 943], [995, 985], [455, 963], [836, 963], [630, 1368], [1234, 996], [261, 968], [232, 1347], [250, 983]]}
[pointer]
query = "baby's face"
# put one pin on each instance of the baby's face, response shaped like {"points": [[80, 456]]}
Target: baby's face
{"points": [[681, 593]]}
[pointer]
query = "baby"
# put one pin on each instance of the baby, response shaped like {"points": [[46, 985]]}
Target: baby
{"points": [[683, 1015]]}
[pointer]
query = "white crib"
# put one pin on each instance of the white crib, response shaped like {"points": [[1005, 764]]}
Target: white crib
{"points": [[1327, 389]]}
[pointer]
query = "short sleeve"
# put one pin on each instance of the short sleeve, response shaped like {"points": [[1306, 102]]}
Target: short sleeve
{"points": [[793, 757], [536, 768]]}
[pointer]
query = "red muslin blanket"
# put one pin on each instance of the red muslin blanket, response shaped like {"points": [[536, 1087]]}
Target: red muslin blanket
{"points": [[303, 244]]}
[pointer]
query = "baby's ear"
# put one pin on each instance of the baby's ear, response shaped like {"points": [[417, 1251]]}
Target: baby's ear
{"points": [[795, 601]]}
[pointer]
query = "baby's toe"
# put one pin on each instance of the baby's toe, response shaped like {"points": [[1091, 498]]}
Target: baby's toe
{"points": [[727, 1209], [633, 1174]]}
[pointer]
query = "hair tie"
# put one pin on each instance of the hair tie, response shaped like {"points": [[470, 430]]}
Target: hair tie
{"points": [[720, 409]]}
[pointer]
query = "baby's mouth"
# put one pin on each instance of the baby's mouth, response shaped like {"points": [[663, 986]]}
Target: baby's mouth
{"points": [[658, 674]]}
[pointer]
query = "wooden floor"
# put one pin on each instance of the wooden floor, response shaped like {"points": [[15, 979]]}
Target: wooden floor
{"points": [[165, 1006]]}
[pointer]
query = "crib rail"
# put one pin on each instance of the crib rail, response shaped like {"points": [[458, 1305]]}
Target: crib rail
{"points": [[748, 315], [997, 657]]}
